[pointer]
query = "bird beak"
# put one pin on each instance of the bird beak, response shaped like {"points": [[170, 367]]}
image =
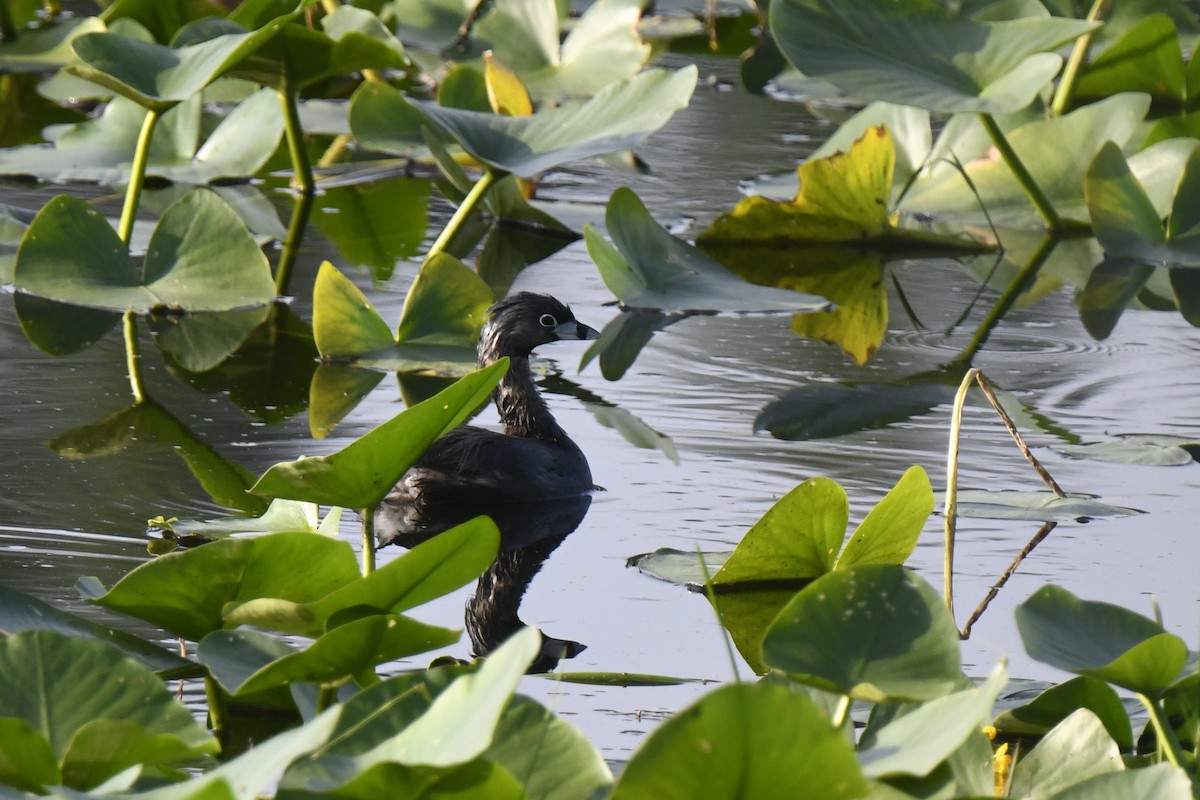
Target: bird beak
{"points": [[576, 330]]}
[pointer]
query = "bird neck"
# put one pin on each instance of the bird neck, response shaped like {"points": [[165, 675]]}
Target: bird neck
{"points": [[522, 409]]}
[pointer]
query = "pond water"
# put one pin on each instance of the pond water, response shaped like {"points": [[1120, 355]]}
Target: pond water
{"points": [[700, 384]]}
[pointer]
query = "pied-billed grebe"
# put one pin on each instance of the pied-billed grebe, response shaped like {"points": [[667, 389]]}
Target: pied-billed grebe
{"points": [[532, 460]]}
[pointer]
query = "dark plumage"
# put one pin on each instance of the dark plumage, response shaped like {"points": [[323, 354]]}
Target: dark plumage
{"points": [[532, 460]]}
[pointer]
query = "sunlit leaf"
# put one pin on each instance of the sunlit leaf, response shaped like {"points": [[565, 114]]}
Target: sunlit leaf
{"points": [[799, 537], [917, 54], [430, 570], [280, 516], [1154, 782], [1147, 58], [1057, 152], [843, 197], [1052, 706], [618, 117], [917, 742], [201, 258], [875, 632], [889, 533], [744, 740], [506, 94], [59, 684], [601, 47], [359, 475], [186, 592], [1100, 640], [1076, 749], [344, 321], [650, 268]]}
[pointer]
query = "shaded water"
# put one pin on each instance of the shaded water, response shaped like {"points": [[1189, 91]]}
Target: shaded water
{"points": [[701, 383]]}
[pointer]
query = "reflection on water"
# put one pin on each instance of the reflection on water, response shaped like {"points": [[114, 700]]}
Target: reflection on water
{"points": [[529, 533], [692, 393]]}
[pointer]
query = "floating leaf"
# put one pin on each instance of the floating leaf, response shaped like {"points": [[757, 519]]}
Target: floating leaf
{"points": [[843, 197], [744, 740], [359, 475], [48, 48], [1146, 449], [1043, 506], [917, 54], [875, 632], [1100, 640], [280, 516], [681, 567], [1076, 749], [826, 411], [651, 269]]}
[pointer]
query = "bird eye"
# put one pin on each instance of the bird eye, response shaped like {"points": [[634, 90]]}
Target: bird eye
{"points": [[548, 321]]}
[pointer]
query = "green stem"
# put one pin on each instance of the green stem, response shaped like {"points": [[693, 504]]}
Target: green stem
{"points": [[468, 204], [1166, 735], [303, 180], [133, 356], [951, 514], [8, 26], [840, 712], [289, 99], [291, 244], [1003, 303], [327, 696], [218, 712], [137, 175], [1066, 86], [1032, 190], [368, 540]]}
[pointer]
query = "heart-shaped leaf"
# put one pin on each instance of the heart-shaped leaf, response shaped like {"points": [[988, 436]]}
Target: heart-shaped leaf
{"points": [[649, 268], [200, 258], [915, 53]]}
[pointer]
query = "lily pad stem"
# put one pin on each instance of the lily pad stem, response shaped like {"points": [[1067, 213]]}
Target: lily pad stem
{"points": [[326, 696], [137, 176], [951, 513], [133, 356], [303, 180], [1066, 86], [1028, 184], [218, 713], [1167, 742], [468, 204], [368, 540], [8, 28]]}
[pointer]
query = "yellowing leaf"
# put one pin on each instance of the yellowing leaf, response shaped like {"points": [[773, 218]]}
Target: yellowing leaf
{"points": [[506, 93], [843, 197]]}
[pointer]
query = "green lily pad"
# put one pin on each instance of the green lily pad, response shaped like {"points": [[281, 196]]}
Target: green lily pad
{"points": [[831, 410], [359, 475], [430, 570], [620, 116], [1126, 221], [916, 743], [1155, 782], [20, 612], [1056, 151], [601, 47], [201, 340], [648, 268], [744, 740], [1100, 640], [1146, 449], [27, 761], [186, 592], [889, 533], [1048, 709], [875, 632], [158, 77], [59, 685], [201, 258], [43, 50], [917, 54], [1043, 506], [1147, 58], [101, 149], [1078, 748], [681, 567]]}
